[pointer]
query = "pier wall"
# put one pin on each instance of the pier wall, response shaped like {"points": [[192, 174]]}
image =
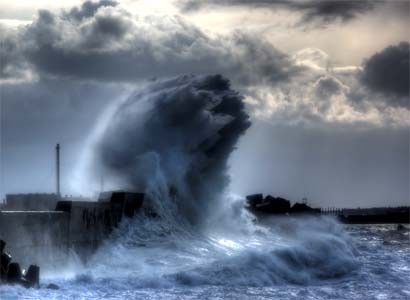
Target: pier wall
{"points": [[35, 237], [48, 237]]}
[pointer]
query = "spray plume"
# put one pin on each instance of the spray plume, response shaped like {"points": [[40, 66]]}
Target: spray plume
{"points": [[172, 141]]}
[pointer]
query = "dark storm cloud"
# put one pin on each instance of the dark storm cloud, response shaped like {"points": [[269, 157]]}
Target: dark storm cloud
{"points": [[108, 44], [328, 11], [109, 26], [387, 72], [9, 62], [13, 66], [323, 11], [89, 8]]}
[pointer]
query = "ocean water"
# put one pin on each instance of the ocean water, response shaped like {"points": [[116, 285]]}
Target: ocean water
{"points": [[172, 140], [294, 258]]}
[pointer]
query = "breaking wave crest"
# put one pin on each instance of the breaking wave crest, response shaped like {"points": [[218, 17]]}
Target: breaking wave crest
{"points": [[296, 251], [301, 263], [172, 140]]}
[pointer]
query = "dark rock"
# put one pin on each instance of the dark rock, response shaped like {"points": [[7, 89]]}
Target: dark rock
{"points": [[5, 260], [14, 274], [33, 276], [254, 200], [53, 286], [2, 245]]}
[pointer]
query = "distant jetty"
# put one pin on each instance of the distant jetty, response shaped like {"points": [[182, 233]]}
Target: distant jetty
{"points": [[262, 206]]}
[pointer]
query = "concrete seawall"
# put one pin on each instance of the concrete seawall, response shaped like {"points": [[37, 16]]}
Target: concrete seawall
{"points": [[35, 237], [46, 238]]}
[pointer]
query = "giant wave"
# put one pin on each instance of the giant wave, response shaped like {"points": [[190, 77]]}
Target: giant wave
{"points": [[172, 140]]}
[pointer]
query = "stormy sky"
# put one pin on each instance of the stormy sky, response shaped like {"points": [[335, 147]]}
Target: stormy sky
{"points": [[326, 84]]}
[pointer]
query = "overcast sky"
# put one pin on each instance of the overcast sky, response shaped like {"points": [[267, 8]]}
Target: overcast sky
{"points": [[326, 84]]}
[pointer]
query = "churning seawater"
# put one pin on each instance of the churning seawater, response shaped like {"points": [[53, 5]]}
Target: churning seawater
{"points": [[293, 258]]}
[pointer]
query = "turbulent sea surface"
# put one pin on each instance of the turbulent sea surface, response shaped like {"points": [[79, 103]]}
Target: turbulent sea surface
{"points": [[193, 240], [287, 259]]}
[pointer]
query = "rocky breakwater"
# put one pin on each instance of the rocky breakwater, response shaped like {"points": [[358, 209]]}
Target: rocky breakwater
{"points": [[11, 272], [260, 205]]}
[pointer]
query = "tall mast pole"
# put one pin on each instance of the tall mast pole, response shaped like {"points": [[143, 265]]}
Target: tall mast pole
{"points": [[58, 170]]}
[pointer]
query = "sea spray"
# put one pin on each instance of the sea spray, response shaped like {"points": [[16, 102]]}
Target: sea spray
{"points": [[172, 140]]}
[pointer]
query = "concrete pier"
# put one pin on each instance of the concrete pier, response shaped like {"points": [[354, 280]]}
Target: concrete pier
{"points": [[47, 237], [35, 236]]}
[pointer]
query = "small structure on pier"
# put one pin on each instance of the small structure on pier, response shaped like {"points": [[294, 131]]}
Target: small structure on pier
{"points": [[276, 205]]}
